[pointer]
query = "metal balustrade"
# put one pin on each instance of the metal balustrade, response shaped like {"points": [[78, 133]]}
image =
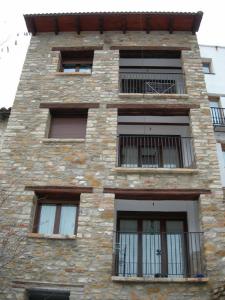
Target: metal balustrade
{"points": [[149, 151], [218, 116], [158, 254], [152, 83]]}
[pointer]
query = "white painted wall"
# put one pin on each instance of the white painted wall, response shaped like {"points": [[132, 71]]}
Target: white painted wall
{"points": [[215, 82], [221, 162], [191, 207]]}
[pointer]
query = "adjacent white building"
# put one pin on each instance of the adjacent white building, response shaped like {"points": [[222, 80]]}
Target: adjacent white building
{"points": [[213, 60]]}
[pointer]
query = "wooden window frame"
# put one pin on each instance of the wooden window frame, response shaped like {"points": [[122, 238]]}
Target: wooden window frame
{"points": [[58, 203], [162, 217], [76, 62]]}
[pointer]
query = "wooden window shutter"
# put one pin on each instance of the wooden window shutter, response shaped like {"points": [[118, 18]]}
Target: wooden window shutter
{"points": [[68, 126]]}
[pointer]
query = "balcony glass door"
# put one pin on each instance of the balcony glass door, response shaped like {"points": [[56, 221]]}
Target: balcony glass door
{"points": [[151, 247], [175, 248]]}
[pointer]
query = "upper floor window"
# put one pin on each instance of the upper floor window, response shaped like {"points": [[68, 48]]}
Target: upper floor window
{"points": [[56, 214], [68, 123], [207, 66], [151, 72], [76, 61]]}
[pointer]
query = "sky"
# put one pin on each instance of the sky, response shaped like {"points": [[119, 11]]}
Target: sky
{"points": [[14, 42]]}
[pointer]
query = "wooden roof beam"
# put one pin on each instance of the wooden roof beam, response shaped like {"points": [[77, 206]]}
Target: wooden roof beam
{"points": [[101, 24], [78, 24], [196, 22], [148, 24], [124, 24], [171, 23], [56, 25], [32, 25]]}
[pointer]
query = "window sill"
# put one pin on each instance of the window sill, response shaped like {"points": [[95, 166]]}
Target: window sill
{"points": [[49, 140], [72, 74], [160, 280], [153, 96], [51, 236], [155, 170]]}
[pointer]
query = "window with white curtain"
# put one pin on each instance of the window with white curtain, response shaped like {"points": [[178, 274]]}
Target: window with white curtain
{"points": [[56, 218]]}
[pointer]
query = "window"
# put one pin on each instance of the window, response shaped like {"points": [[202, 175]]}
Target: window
{"points": [[152, 244], [76, 61], [68, 124], [207, 66], [48, 294], [56, 214]]}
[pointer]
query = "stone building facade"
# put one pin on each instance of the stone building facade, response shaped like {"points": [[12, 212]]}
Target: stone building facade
{"points": [[35, 168]]}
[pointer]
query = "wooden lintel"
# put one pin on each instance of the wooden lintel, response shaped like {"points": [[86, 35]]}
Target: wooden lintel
{"points": [[78, 24], [59, 105], [59, 189], [157, 194], [124, 24], [171, 22], [197, 21], [101, 24], [56, 25], [165, 48], [148, 24], [85, 48], [154, 109]]}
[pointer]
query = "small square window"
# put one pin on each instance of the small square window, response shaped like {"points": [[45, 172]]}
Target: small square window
{"points": [[68, 124], [76, 61], [56, 214], [207, 67]]}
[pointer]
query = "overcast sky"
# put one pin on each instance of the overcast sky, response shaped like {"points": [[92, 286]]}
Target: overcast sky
{"points": [[13, 42]]}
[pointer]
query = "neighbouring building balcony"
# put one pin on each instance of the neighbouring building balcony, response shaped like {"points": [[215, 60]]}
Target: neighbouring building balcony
{"points": [[155, 254], [151, 83], [218, 116], [155, 151]]}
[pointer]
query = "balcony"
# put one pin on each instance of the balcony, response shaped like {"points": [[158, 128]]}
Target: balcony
{"points": [[151, 83], [218, 116], [155, 151], [156, 254]]}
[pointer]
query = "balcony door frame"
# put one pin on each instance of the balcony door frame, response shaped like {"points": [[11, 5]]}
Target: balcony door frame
{"points": [[162, 217]]}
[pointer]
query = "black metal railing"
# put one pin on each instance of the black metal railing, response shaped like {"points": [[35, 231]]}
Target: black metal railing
{"points": [[146, 151], [218, 116], [152, 83], [143, 254]]}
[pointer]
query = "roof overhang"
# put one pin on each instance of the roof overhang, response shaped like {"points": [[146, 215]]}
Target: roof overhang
{"points": [[114, 21]]}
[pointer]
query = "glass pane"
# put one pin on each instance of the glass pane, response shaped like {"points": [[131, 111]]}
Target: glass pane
{"points": [[170, 157], [85, 69], [129, 156], [47, 219], [175, 248], [128, 248], [67, 219], [68, 70], [150, 157], [151, 248], [206, 68]]}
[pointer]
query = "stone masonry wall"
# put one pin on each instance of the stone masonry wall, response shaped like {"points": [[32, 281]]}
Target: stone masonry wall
{"points": [[84, 264]]}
